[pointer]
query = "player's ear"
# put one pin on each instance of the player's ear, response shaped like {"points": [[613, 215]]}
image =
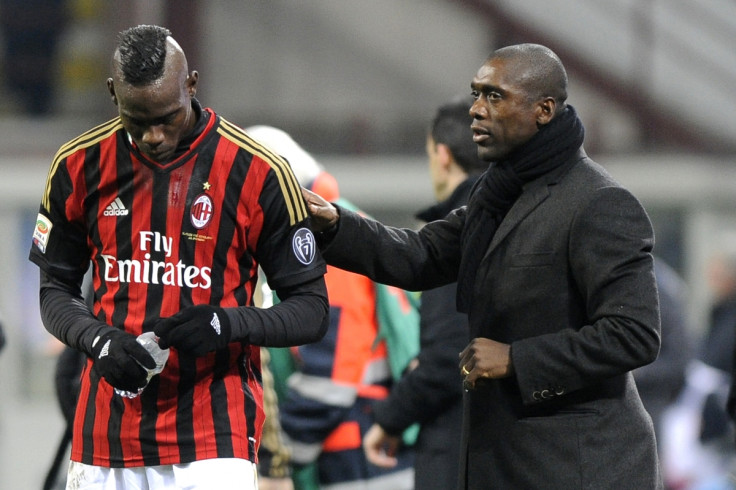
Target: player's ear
{"points": [[111, 89], [191, 83]]}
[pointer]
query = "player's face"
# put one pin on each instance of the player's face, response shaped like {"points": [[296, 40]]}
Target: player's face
{"points": [[503, 115], [157, 116]]}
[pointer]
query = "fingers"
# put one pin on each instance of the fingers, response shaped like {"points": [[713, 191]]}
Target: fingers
{"points": [[163, 331], [141, 356], [324, 215], [380, 448]]}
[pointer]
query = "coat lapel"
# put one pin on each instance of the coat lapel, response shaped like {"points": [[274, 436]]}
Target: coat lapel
{"points": [[533, 195], [529, 199]]}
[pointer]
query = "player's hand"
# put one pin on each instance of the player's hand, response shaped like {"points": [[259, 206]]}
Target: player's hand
{"points": [[121, 360], [324, 215], [196, 330], [380, 448]]}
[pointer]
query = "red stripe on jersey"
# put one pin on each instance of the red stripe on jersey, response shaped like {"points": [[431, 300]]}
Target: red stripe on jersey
{"points": [[106, 226], [256, 176], [100, 440], [168, 448], [203, 418], [129, 423], [79, 414], [179, 181]]}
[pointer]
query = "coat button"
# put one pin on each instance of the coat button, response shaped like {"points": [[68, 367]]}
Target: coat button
{"points": [[536, 395], [546, 394]]}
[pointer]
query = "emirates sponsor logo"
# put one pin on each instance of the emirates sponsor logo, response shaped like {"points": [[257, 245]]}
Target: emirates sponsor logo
{"points": [[150, 271], [115, 208]]}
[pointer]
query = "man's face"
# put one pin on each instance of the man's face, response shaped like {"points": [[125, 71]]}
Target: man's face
{"points": [[503, 116], [157, 116]]}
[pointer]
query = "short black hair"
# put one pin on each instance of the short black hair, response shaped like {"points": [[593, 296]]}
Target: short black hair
{"points": [[141, 53], [451, 127], [540, 71]]}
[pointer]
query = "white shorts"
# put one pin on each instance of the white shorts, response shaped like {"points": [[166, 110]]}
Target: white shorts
{"points": [[216, 474]]}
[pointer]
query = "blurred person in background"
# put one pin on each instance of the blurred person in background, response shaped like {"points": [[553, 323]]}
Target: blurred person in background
{"points": [[660, 382], [553, 260], [698, 450], [274, 457], [430, 393], [176, 208], [31, 30], [373, 334]]}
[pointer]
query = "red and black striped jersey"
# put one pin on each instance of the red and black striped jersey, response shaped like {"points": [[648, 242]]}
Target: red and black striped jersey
{"points": [[161, 238]]}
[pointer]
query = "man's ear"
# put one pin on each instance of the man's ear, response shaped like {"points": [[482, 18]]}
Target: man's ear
{"points": [[545, 110], [444, 155], [111, 89], [191, 83]]}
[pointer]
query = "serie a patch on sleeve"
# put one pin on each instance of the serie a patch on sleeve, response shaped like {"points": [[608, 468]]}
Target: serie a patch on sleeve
{"points": [[41, 232]]}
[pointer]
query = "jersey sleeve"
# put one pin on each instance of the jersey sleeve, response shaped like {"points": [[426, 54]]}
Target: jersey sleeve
{"points": [[59, 243], [286, 249]]}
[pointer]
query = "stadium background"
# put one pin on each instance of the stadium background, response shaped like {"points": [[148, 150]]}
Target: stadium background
{"points": [[356, 83]]}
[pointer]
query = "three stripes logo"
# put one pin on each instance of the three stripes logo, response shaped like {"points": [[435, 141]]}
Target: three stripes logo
{"points": [[115, 208]]}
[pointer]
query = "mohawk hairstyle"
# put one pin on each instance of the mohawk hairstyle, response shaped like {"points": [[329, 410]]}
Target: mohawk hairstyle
{"points": [[142, 53]]}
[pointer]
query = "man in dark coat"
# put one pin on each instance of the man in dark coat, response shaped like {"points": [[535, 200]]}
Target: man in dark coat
{"points": [[431, 393], [553, 260]]}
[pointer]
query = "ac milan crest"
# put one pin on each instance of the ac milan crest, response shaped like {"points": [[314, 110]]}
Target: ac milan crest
{"points": [[201, 211]]}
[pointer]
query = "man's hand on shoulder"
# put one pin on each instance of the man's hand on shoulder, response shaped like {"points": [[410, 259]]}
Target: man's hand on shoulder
{"points": [[195, 330], [324, 215]]}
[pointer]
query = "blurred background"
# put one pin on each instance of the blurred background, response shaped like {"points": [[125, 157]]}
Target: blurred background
{"points": [[356, 83]]}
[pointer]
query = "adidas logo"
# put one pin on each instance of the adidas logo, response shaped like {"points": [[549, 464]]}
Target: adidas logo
{"points": [[115, 208], [105, 349], [215, 323]]}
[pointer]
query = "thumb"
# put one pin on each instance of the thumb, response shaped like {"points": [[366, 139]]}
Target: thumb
{"points": [[162, 330], [141, 356]]}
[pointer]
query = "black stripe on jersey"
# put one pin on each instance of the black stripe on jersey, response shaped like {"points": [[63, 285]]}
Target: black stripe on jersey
{"points": [[220, 414], [88, 444], [113, 432], [188, 364], [124, 247], [154, 297], [92, 181], [250, 405], [289, 186], [85, 140]]}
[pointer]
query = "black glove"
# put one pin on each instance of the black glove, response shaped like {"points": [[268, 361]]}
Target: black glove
{"points": [[196, 330], [121, 360]]}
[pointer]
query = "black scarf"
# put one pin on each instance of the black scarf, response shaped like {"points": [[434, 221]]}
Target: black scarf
{"points": [[501, 185]]}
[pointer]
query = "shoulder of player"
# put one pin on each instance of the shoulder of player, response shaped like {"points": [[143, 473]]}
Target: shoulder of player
{"points": [[89, 138], [237, 135]]}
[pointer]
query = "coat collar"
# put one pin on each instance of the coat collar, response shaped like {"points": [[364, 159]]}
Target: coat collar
{"points": [[534, 193]]}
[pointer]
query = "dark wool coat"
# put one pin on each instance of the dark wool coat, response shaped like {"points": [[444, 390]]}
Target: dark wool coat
{"points": [[568, 281]]}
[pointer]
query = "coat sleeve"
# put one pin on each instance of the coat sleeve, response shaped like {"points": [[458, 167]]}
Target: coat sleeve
{"points": [[611, 264], [411, 260]]}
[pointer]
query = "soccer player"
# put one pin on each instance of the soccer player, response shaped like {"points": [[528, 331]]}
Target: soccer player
{"points": [[175, 208]]}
